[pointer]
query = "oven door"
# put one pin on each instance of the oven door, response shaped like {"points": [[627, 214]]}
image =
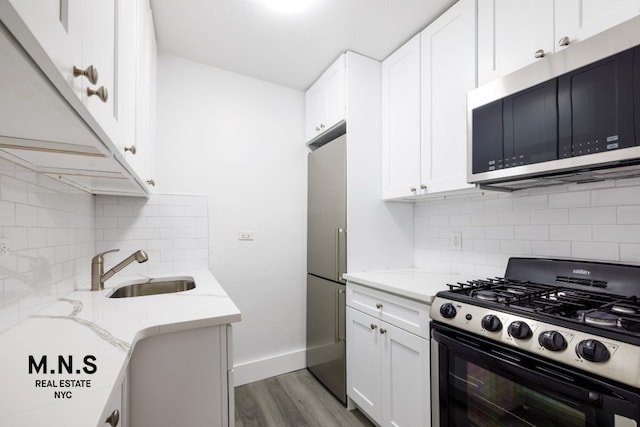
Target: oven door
{"points": [[480, 383]]}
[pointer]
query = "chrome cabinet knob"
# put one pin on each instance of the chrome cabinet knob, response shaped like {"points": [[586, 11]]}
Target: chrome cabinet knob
{"points": [[383, 331], [423, 187], [413, 189], [132, 149], [91, 73], [317, 128], [151, 182], [564, 41], [113, 419], [373, 326], [101, 93], [378, 306], [539, 53]]}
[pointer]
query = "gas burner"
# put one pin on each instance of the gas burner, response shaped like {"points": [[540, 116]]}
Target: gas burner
{"points": [[622, 308], [485, 295], [517, 290], [600, 318]]}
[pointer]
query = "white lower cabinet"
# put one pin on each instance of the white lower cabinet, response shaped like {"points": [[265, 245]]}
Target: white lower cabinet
{"points": [[182, 379], [116, 413], [387, 367]]}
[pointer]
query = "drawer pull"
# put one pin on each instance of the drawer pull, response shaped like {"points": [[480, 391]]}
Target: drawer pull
{"points": [[383, 331], [373, 326], [91, 73], [101, 93], [378, 306]]}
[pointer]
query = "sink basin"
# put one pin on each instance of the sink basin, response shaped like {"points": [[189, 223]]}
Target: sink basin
{"points": [[165, 285]]}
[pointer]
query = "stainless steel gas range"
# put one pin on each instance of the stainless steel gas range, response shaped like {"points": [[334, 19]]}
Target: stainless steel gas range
{"points": [[552, 343]]}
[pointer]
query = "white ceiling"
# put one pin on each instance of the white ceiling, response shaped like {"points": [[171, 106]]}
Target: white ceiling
{"points": [[246, 37]]}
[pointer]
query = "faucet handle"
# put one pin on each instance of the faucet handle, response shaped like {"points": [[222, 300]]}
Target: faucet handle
{"points": [[100, 256]]}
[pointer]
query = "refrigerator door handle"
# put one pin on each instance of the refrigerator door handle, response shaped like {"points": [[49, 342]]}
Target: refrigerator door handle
{"points": [[340, 322], [341, 256]]}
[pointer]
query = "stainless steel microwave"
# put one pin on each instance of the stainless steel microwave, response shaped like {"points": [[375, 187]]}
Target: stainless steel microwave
{"points": [[571, 117]]}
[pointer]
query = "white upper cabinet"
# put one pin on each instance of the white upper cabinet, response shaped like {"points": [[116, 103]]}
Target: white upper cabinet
{"points": [[77, 64], [325, 100], [401, 121], [580, 19], [448, 56], [510, 32], [515, 33], [424, 104]]}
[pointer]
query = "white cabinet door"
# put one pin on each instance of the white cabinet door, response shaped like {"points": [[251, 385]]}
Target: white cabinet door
{"points": [[325, 100], [115, 411], [448, 58], [58, 26], [315, 103], [509, 34], [401, 121], [405, 378], [100, 46], [581, 19], [363, 362], [335, 78]]}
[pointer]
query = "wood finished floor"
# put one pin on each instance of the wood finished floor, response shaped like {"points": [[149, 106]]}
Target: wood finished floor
{"points": [[295, 399]]}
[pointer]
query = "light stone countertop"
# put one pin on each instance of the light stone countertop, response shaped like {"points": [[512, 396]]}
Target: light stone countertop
{"points": [[86, 323], [410, 283]]}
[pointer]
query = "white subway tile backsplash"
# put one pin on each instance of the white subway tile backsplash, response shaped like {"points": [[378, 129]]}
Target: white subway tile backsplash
{"points": [[173, 229], [629, 214], [591, 250], [550, 216], [532, 232], [616, 233], [571, 232], [615, 196], [596, 215], [596, 221]]}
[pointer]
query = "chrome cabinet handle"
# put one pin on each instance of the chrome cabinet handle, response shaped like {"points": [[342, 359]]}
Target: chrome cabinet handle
{"points": [[341, 268], [91, 73], [413, 189], [564, 41], [151, 182], [113, 419], [374, 326], [320, 128], [378, 306], [423, 186], [132, 149], [101, 93], [383, 331], [539, 53]]}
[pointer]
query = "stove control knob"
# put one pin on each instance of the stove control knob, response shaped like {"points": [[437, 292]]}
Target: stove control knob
{"points": [[491, 323], [552, 341], [448, 311], [592, 350], [519, 330]]}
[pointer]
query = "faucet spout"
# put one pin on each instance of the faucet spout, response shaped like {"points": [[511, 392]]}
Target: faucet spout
{"points": [[98, 277]]}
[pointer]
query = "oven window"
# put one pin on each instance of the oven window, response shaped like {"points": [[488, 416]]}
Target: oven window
{"points": [[493, 400]]}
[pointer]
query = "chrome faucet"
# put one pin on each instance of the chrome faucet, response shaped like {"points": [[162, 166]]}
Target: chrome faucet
{"points": [[98, 277]]}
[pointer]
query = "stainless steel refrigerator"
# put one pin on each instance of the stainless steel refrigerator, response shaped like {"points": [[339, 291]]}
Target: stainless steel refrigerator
{"points": [[326, 262]]}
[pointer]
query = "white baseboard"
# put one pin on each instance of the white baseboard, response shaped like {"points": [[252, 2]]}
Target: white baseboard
{"points": [[269, 367]]}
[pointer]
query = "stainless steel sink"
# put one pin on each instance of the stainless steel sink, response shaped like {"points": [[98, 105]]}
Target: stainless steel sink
{"points": [[164, 285]]}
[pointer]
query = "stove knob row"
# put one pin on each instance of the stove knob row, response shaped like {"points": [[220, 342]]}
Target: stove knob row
{"points": [[519, 330], [491, 323], [448, 311], [592, 350], [552, 341]]}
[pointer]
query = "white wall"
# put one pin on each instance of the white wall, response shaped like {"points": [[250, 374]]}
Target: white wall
{"points": [[598, 221], [49, 230], [240, 141]]}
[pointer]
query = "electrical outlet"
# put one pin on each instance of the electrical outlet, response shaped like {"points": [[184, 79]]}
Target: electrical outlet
{"points": [[4, 246], [455, 239], [245, 235]]}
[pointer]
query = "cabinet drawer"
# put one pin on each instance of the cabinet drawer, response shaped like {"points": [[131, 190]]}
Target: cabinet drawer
{"points": [[410, 315]]}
